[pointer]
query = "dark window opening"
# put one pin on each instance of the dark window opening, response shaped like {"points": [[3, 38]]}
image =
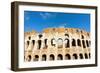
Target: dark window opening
{"points": [[29, 38], [40, 35], [28, 43], [45, 42], [89, 55], [60, 57], [52, 57], [44, 57], [86, 56], [78, 42], [39, 44], [33, 42], [67, 44], [81, 56], [67, 57], [83, 42], [75, 56], [73, 42], [29, 58], [87, 43], [82, 37], [36, 58]]}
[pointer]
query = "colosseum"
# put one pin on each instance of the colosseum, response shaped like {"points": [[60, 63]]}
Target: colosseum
{"points": [[57, 44]]}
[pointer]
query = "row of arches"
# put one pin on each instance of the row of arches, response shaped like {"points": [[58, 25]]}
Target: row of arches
{"points": [[73, 42], [60, 57]]}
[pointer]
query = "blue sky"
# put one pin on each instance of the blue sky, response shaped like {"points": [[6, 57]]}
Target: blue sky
{"points": [[38, 21]]}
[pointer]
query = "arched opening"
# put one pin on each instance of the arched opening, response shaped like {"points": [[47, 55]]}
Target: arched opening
{"points": [[73, 42], [83, 42], [87, 43], [89, 55], [40, 35], [86, 56], [82, 36], [27, 43], [29, 58], [33, 42], [43, 57], [45, 42], [78, 42], [67, 44], [81, 56], [66, 35], [53, 42], [29, 38], [67, 57], [52, 57], [75, 56], [39, 44], [60, 57], [36, 58], [60, 43]]}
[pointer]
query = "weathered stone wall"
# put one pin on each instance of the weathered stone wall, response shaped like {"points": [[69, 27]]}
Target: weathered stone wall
{"points": [[57, 44]]}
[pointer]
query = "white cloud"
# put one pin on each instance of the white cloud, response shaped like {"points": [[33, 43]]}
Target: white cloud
{"points": [[47, 15], [63, 25]]}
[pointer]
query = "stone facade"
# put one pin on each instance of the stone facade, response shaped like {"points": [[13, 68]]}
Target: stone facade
{"points": [[57, 44]]}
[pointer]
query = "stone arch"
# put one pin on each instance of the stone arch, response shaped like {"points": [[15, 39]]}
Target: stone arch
{"points": [[52, 42], [36, 58], [83, 42], [40, 35], [29, 37], [89, 55], [81, 56], [75, 56], [59, 57], [39, 44], [33, 42], [87, 43], [28, 43], [45, 42], [66, 35], [78, 42], [73, 42], [67, 44], [29, 58], [86, 56], [82, 36], [60, 43], [44, 57], [67, 57], [52, 57]]}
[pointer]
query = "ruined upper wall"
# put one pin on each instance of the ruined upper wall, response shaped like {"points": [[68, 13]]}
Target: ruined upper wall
{"points": [[61, 30]]}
